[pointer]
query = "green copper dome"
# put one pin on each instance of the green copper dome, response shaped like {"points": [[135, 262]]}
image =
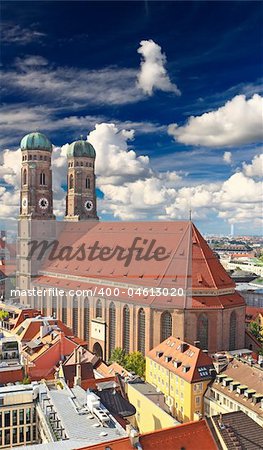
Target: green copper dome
{"points": [[35, 141], [81, 148]]}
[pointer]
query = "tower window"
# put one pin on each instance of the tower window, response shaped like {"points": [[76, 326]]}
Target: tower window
{"points": [[24, 177], [81, 163], [41, 157], [71, 180], [30, 157], [87, 183], [45, 158], [35, 156], [77, 163], [42, 179]]}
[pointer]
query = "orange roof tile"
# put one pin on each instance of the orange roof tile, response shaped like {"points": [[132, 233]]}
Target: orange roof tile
{"points": [[198, 268], [191, 436], [183, 359]]}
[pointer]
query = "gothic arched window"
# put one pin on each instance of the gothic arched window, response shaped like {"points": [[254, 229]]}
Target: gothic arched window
{"points": [[202, 331], [112, 327], [42, 179], [99, 309], [75, 317], [64, 309], [87, 183], [126, 328], [141, 331], [24, 176], [232, 331], [86, 319], [44, 302], [54, 305], [166, 325], [71, 180]]}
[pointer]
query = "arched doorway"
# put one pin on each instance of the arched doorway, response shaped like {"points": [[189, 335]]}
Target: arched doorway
{"points": [[97, 349]]}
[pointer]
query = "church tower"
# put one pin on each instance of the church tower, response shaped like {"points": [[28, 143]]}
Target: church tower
{"points": [[36, 220], [36, 197], [81, 201]]}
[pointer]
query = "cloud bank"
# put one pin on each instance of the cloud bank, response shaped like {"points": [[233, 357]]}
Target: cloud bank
{"points": [[238, 122]]}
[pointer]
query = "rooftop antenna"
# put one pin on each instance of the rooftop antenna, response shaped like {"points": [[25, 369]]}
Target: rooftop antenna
{"points": [[190, 214]]}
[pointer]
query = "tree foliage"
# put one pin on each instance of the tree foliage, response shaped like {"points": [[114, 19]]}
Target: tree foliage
{"points": [[133, 362]]}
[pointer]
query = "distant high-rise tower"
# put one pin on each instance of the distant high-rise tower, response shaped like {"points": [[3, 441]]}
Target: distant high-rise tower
{"points": [[232, 229], [81, 201]]}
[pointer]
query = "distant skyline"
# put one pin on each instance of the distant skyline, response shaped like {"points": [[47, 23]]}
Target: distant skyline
{"points": [[169, 94]]}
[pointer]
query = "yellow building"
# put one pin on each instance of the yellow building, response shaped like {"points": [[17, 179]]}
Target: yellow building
{"points": [[152, 413], [182, 372]]}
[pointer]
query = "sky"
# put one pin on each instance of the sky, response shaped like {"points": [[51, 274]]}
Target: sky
{"points": [[169, 94]]}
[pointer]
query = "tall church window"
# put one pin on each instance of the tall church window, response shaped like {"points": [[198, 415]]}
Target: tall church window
{"points": [[99, 309], [86, 319], [54, 305], [42, 179], [232, 331], [64, 309], [166, 325], [75, 317], [141, 331], [71, 180], [112, 327], [24, 176], [87, 183], [44, 302], [202, 331], [126, 328]]}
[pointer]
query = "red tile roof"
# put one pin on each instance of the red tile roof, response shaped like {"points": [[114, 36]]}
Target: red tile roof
{"points": [[197, 268], [191, 436], [194, 359]]}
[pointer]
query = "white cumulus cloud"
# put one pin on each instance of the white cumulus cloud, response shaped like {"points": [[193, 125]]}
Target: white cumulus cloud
{"points": [[227, 157], [255, 169], [153, 74], [238, 122]]}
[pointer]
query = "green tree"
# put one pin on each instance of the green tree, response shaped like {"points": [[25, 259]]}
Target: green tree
{"points": [[256, 330], [3, 314], [118, 355], [135, 362]]}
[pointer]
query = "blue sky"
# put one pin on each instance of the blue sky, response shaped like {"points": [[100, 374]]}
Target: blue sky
{"points": [[68, 66]]}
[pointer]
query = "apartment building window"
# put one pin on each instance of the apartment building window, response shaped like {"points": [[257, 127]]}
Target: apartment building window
{"points": [[112, 327], [14, 417], [7, 418], [197, 400], [126, 328], [28, 434], [21, 417], [21, 434], [28, 415], [7, 437], [141, 331], [166, 325], [14, 437]]}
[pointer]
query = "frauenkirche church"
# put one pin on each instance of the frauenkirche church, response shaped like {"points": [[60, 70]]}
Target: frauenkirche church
{"points": [[210, 314]]}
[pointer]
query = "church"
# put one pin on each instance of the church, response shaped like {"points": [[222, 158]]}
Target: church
{"points": [[181, 290]]}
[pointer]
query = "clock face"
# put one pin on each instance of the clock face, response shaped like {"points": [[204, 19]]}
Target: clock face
{"points": [[24, 203], [43, 203], [88, 205]]}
